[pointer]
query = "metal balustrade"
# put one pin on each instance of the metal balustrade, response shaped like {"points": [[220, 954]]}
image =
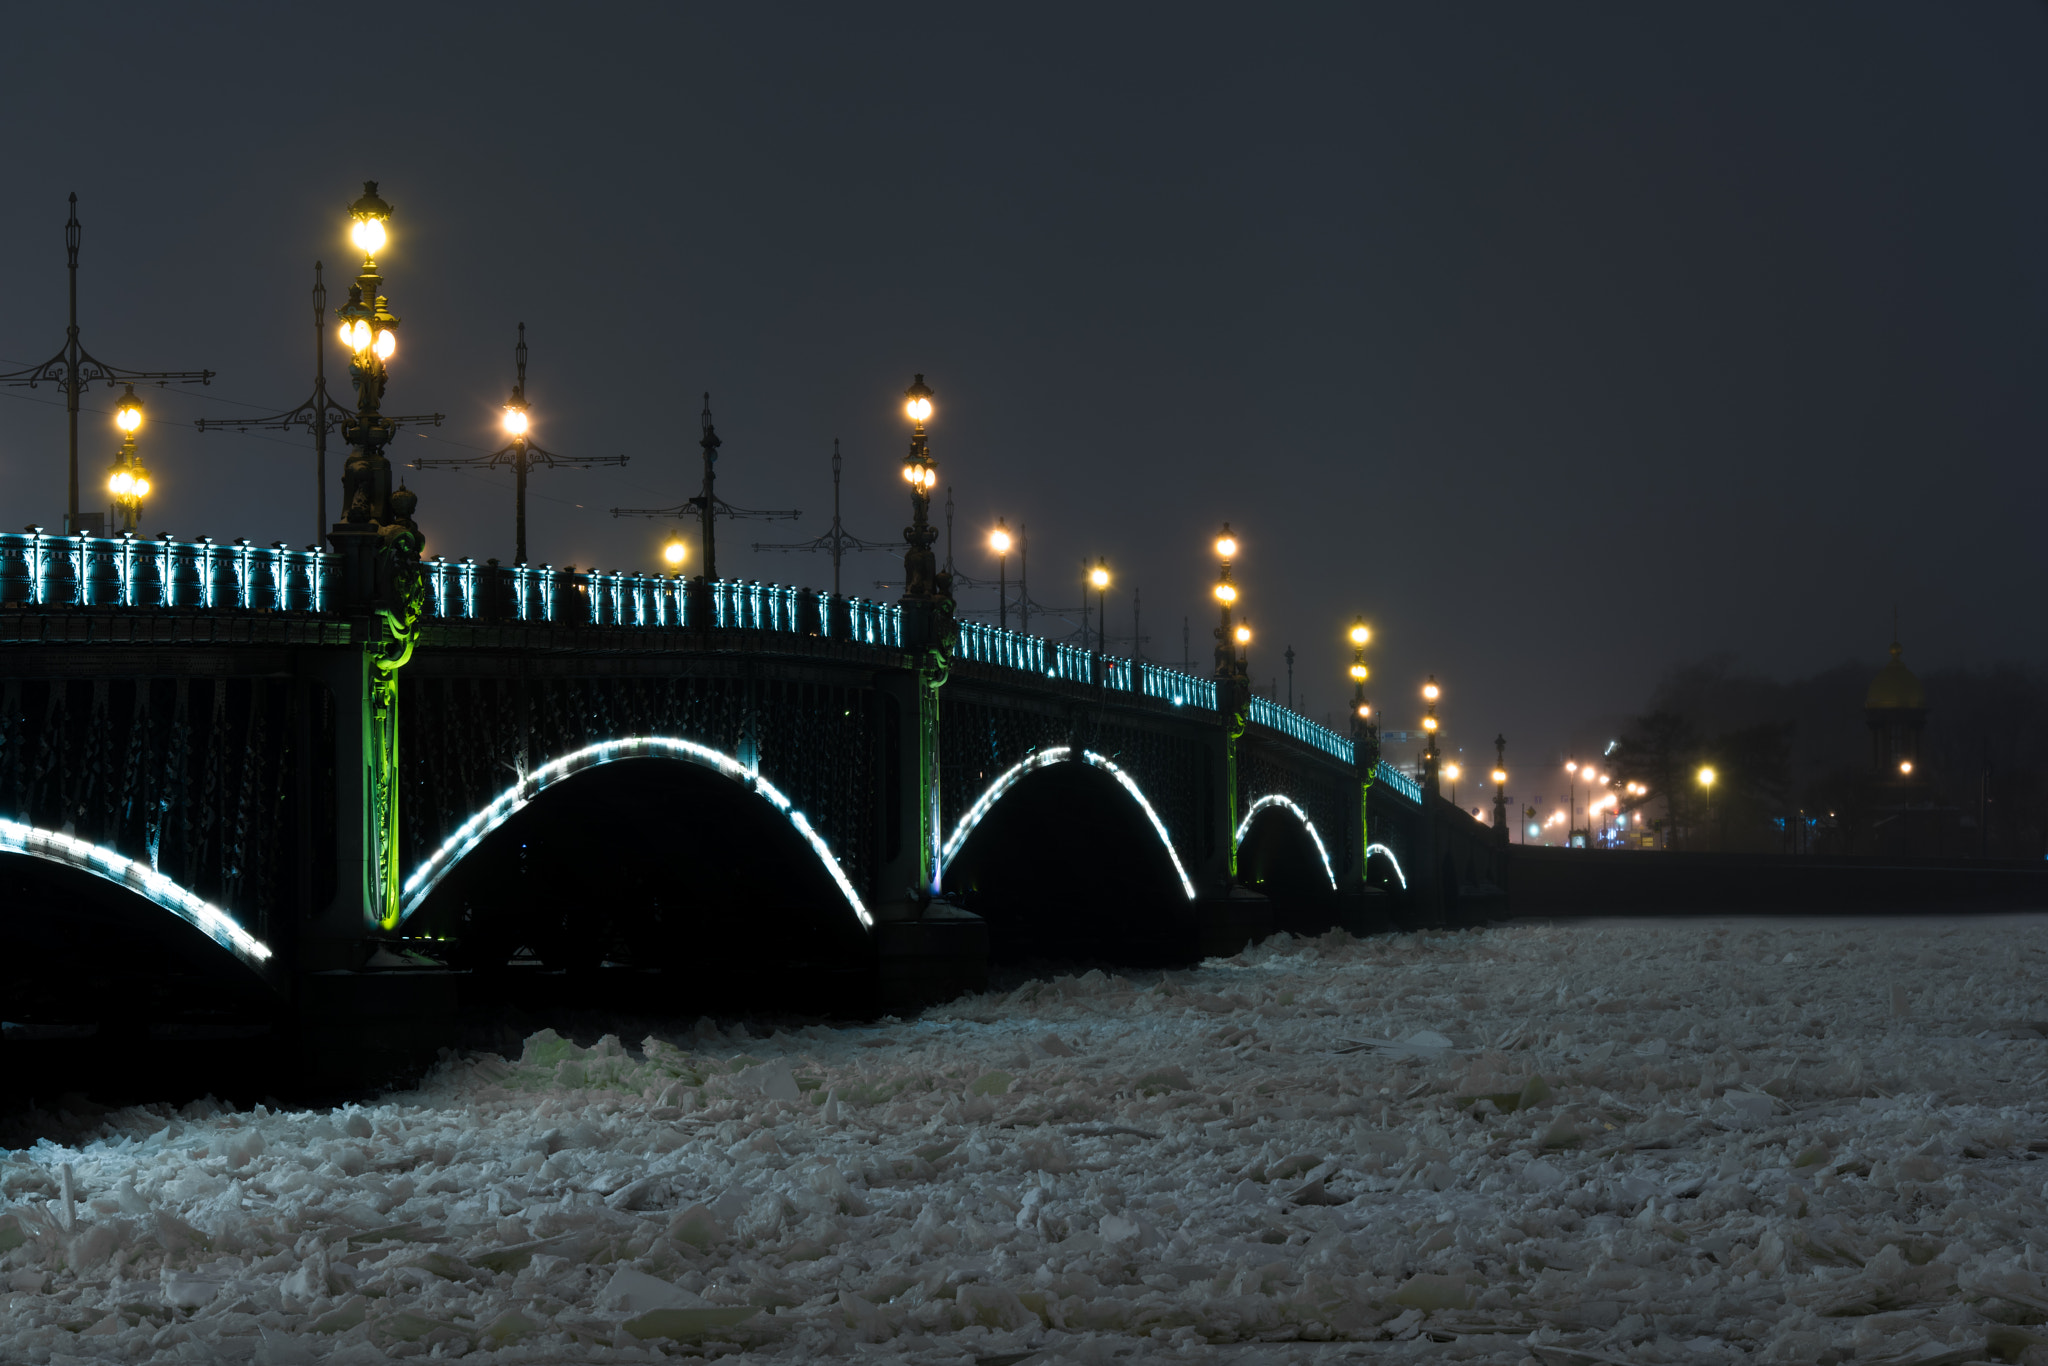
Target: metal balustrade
{"points": [[38, 569], [1385, 772], [1266, 712]]}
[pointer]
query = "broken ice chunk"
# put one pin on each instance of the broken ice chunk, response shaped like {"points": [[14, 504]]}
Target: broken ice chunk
{"points": [[190, 1289], [772, 1080], [636, 1292]]}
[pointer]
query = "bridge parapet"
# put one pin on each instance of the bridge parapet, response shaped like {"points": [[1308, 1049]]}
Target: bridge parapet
{"points": [[38, 569]]}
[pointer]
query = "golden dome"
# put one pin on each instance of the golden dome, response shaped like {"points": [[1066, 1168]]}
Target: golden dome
{"points": [[1895, 688]]}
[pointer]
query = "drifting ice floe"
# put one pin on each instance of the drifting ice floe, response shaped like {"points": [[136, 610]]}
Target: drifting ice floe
{"points": [[1692, 1141]]}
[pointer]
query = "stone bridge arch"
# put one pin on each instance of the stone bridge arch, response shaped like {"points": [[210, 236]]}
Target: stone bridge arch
{"points": [[425, 877], [54, 849]]}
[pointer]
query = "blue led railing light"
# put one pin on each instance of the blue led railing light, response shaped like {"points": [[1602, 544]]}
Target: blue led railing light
{"points": [[1045, 758], [1287, 803], [1372, 849], [102, 862], [508, 803]]}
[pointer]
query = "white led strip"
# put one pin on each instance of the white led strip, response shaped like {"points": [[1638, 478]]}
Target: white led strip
{"points": [[1045, 758], [472, 831], [1277, 800], [209, 919], [1371, 849]]}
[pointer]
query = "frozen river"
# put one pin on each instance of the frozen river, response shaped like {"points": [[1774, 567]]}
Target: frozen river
{"points": [[1698, 1141]]}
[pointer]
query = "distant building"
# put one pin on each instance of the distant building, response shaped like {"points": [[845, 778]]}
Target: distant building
{"points": [[1902, 813]]}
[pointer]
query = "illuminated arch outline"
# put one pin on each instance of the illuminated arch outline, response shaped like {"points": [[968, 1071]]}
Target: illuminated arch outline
{"points": [[514, 798], [102, 862], [1277, 800], [1371, 849], [1045, 758]]}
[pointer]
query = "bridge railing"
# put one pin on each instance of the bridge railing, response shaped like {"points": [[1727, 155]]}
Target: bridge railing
{"points": [[1385, 772], [1266, 712], [38, 569], [1048, 659]]}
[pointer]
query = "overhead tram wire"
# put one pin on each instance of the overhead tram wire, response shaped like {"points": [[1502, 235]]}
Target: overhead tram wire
{"points": [[838, 540], [317, 413], [520, 453], [708, 506], [75, 368]]}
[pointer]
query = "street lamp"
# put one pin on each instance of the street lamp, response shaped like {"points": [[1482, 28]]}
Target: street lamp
{"points": [[1244, 639], [1098, 578], [674, 553], [1226, 597], [920, 570], [1430, 693], [1453, 772], [369, 333], [522, 453], [999, 542], [127, 480]]}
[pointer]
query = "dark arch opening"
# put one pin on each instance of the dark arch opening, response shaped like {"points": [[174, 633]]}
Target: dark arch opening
{"points": [[651, 884], [1066, 865], [104, 990], [1279, 859]]}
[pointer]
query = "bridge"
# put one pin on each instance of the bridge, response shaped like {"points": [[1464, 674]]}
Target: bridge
{"points": [[336, 764]]}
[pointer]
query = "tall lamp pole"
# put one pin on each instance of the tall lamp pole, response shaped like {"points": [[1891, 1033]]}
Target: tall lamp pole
{"points": [[929, 630], [999, 542], [1098, 578], [1500, 789], [521, 452], [379, 544], [1430, 758], [76, 368], [708, 506], [1365, 741], [127, 480], [318, 414], [837, 541], [1233, 693]]}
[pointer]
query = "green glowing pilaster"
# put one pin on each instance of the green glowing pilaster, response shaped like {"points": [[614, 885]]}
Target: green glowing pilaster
{"points": [[932, 675], [398, 631]]}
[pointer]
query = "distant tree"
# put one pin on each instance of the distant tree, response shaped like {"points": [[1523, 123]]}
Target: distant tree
{"points": [[1658, 750], [1753, 776]]}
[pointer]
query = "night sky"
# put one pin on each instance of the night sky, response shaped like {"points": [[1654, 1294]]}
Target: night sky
{"points": [[1566, 343]]}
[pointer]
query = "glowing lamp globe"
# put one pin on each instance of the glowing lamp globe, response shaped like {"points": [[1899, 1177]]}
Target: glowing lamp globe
{"points": [[675, 552], [1099, 577], [1500, 775], [1225, 594], [1360, 634], [1358, 672], [1244, 635], [1226, 547], [1707, 777], [1431, 691], [917, 400], [999, 541], [515, 421]]}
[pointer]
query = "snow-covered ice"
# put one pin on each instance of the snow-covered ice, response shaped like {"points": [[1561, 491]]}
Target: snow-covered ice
{"points": [[1798, 1141]]}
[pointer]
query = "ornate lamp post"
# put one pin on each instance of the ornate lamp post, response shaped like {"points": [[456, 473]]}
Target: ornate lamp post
{"points": [[999, 542], [1233, 691], [522, 453], [709, 507], [928, 628], [1500, 789], [1098, 579], [127, 480], [379, 544], [1430, 757], [1365, 738], [75, 368], [920, 567]]}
